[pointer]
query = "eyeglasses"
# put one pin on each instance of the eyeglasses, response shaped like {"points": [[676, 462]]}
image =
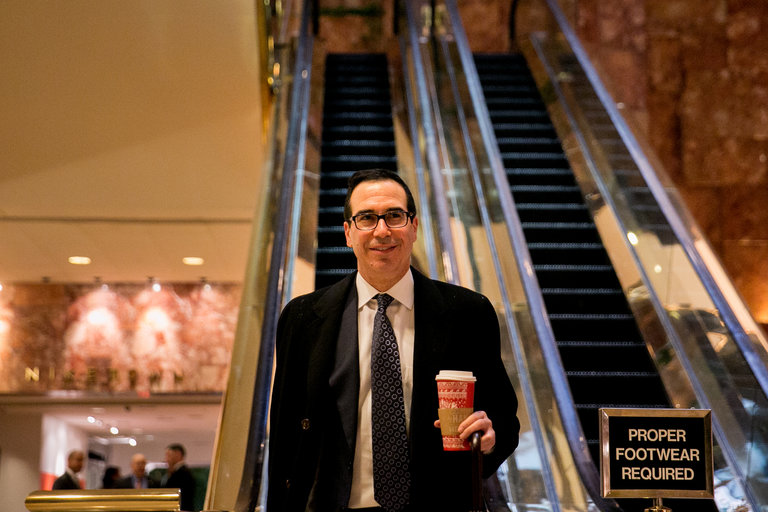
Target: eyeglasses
{"points": [[392, 218]]}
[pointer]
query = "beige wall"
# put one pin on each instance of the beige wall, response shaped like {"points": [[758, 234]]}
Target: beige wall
{"points": [[20, 447]]}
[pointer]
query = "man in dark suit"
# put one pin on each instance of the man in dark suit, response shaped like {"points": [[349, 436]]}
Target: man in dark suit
{"points": [[69, 480], [322, 428], [138, 479], [179, 475]]}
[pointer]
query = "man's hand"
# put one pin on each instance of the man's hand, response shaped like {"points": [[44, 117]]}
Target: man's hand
{"points": [[477, 421]]}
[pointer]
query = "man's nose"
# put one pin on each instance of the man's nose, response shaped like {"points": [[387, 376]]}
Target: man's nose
{"points": [[381, 228]]}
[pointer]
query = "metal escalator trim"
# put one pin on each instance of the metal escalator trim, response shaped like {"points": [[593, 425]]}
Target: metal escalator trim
{"points": [[252, 474], [444, 233], [564, 399], [516, 234]]}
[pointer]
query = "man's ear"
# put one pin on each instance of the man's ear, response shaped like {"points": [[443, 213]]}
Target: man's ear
{"points": [[346, 233]]}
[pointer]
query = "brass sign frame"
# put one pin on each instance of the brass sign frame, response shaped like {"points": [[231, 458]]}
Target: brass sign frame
{"points": [[605, 456]]}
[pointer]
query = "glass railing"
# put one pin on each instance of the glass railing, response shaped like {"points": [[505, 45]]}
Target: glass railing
{"points": [[237, 479], [704, 338], [282, 261], [540, 474]]}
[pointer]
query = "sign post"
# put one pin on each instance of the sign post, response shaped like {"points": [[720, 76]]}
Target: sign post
{"points": [[656, 453]]}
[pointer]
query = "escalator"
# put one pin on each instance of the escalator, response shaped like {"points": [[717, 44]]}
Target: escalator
{"points": [[604, 355], [357, 134]]}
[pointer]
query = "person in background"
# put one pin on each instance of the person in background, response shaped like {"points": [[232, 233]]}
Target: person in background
{"points": [[111, 477], [69, 480], [138, 479], [179, 475]]}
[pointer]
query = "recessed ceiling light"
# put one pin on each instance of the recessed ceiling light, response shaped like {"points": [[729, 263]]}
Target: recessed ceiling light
{"points": [[79, 260], [193, 260]]}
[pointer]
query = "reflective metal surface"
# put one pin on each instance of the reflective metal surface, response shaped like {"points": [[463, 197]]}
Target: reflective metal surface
{"points": [[105, 500]]}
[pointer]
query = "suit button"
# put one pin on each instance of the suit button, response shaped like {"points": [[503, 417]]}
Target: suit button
{"points": [[305, 424]]}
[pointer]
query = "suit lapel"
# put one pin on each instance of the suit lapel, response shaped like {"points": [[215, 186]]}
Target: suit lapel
{"points": [[345, 378], [327, 361]]}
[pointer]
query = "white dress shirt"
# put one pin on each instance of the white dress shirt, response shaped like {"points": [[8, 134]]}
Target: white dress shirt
{"points": [[400, 314]]}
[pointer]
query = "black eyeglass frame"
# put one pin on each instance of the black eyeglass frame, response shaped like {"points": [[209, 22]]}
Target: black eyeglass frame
{"points": [[408, 216]]}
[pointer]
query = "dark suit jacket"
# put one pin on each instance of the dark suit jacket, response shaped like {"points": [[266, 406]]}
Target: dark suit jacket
{"points": [[127, 483], [184, 480], [65, 482], [313, 416]]}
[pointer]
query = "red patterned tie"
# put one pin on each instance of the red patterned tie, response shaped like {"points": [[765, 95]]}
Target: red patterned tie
{"points": [[391, 476]]}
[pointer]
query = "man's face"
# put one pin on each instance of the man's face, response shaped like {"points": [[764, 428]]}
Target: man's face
{"points": [[172, 457], [138, 465], [76, 462], [384, 253]]}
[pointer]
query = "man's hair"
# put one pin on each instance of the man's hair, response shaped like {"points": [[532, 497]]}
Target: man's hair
{"points": [[177, 447], [376, 175]]}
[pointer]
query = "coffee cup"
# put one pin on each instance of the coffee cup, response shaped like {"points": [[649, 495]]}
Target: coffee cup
{"points": [[455, 395]]}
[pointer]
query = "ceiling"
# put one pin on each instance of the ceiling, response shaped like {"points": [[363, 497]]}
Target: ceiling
{"points": [[131, 134]]}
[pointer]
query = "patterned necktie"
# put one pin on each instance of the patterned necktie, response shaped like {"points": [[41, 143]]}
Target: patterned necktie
{"points": [[391, 476]]}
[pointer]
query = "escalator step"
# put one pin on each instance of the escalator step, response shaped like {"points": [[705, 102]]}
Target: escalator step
{"points": [[357, 134], [354, 147], [560, 231], [339, 118], [357, 162], [336, 258], [584, 300], [330, 215], [544, 253], [553, 212]]}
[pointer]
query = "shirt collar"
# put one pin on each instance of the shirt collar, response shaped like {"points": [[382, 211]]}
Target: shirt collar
{"points": [[402, 291]]}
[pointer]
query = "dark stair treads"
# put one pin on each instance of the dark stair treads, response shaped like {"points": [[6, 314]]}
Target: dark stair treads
{"points": [[605, 359], [357, 134]]}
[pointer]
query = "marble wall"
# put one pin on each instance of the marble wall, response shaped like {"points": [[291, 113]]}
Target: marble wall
{"points": [[116, 338], [694, 74]]}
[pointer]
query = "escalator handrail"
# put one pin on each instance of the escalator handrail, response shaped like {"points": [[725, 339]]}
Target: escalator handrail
{"points": [[670, 211], [418, 167], [445, 236], [571, 424], [475, 92], [278, 281]]}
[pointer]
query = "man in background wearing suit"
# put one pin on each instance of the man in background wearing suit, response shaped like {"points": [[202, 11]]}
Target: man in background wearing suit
{"points": [[69, 480], [138, 479], [323, 419], [179, 475]]}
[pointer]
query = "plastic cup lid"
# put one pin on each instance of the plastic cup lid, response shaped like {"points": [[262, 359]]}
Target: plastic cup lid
{"points": [[455, 375]]}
